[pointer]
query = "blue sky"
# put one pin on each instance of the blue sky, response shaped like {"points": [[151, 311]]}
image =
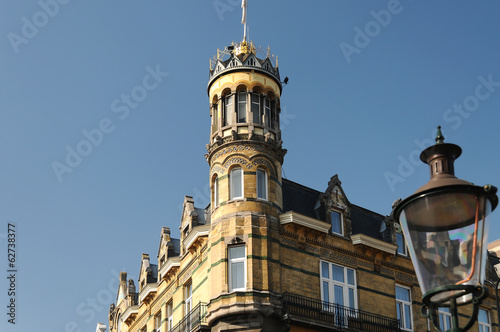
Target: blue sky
{"points": [[369, 83]]}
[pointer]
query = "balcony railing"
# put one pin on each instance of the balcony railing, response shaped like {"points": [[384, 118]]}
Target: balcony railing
{"points": [[337, 316], [195, 319]]}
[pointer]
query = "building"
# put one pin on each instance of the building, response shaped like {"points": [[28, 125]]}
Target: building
{"points": [[269, 254]]}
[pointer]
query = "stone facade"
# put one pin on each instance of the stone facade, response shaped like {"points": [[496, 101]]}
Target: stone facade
{"points": [[267, 251]]}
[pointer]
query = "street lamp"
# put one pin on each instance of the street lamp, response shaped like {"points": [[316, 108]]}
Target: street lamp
{"points": [[445, 227]]}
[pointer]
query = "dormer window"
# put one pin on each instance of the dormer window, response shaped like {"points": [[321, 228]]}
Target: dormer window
{"points": [[337, 222]]}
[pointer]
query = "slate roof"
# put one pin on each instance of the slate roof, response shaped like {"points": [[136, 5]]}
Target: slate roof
{"points": [[304, 200]]}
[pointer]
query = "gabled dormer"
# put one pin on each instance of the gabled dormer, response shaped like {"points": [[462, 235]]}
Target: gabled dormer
{"points": [[334, 207], [192, 219], [148, 277], [168, 247], [252, 60]]}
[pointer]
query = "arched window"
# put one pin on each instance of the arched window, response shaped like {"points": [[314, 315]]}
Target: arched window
{"points": [[236, 183], [261, 184], [215, 116], [228, 110], [216, 191], [242, 106], [267, 111]]}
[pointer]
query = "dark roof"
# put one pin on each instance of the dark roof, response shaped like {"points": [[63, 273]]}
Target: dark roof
{"points": [[299, 198], [304, 200]]}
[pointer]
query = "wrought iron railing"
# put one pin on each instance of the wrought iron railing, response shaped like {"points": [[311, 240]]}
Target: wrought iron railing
{"points": [[337, 315], [195, 318]]}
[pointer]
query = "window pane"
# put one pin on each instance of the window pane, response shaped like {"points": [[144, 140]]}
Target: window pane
{"points": [[350, 277], [339, 295], [261, 184], [441, 322], [325, 270], [242, 106], [228, 108], [236, 188], [338, 273], [483, 316], [326, 293], [351, 298], [256, 108], [237, 252], [401, 243], [402, 294], [273, 114], [237, 275], [216, 191], [407, 316], [336, 222], [398, 309]]}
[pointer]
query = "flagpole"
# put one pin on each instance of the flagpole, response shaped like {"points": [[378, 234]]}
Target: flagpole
{"points": [[244, 19]]}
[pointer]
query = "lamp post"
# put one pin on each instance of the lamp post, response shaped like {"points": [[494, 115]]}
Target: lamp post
{"points": [[445, 226]]}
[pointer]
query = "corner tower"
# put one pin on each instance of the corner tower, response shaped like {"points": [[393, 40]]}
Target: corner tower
{"points": [[245, 151], [245, 155]]}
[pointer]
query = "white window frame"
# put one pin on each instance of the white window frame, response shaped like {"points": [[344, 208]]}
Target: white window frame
{"points": [[188, 289], [255, 99], [341, 215], [216, 191], [484, 326], [265, 190], [331, 283], [230, 262], [401, 304], [232, 183], [401, 242], [228, 110], [170, 315], [267, 111], [158, 322], [240, 113], [444, 318]]}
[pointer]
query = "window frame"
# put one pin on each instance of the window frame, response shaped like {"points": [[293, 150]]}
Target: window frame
{"points": [[256, 99], [170, 316], [341, 221], [228, 109], [258, 186], [158, 321], [484, 326], [241, 116], [402, 304], [402, 249], [232, 183], [232, 262], [216, 191], [331, 282]]}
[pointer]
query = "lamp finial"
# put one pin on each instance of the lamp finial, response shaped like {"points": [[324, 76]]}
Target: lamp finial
{"points": [[439, 136]]}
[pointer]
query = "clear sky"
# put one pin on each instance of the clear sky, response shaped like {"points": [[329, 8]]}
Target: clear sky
{"points": [[369, 83]]}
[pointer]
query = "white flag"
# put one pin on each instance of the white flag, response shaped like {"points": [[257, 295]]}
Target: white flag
{"points": [[244, 7]]}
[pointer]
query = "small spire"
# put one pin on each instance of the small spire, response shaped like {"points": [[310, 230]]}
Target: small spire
{"points": [[439, 136]]}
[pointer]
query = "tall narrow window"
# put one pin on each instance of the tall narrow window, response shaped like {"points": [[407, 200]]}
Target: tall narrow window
{"points": [[215, 118], [158, 322], [237, 268], [267, 111], [261, 184], [403, 308], [483, 320], [216, 191], [189, 305], [337, 223], [401, 244], [273, 114], [338, 285], [242, 106], [256, 109], [228, 110], [170, 316], [236, 183]]}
